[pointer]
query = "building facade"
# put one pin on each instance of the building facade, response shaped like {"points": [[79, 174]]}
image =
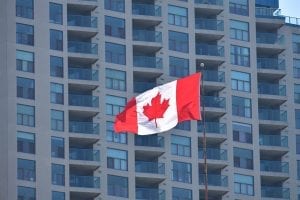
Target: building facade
{"points": [[67, 67]]}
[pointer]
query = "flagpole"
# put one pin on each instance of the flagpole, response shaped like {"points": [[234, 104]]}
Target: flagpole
{"points": [[204, 133]]}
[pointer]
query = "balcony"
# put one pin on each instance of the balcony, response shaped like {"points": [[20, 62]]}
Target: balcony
{"points": [[84, 100], [82, 47], [82, 21], [84, 181], [149, 167], [214, 102], [271, 63], [155, 145], [78, 73], [141, 86], [275, 192], [269, 38], [209, 7], [210, 2], [209, 24], [214, 180], [213, 154], [147, 36], [84, 127], [273, 140], [265, 12], [209, 50], [150, 62], [149, 194], [271, 89], [269, 18], [213, 80], [272, 114], [274, 166], [84, 154], [146, 9], [215, 131]]}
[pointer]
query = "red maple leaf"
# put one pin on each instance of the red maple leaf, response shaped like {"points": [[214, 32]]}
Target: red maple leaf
{"points": [[157, 109]]}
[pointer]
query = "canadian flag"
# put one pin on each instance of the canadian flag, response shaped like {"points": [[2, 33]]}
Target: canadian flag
{"points": [[161, 108]]}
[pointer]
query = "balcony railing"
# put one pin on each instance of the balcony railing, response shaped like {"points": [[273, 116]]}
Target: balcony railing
{"points": [[82, 21], [213, 154], [275, 192], [147, 62], [271, 89], [83, 73], [209, 50], [269, 38], [214, 102], [271, 63], [210, 2], [149, 141], [273, 140], [209, 24], [265, 12], [82, 47], [214, 76], [146, 9], [84, 154], [147, 36], [83, 100], [274, 166], [214, 180], [84, 181], [272, 114], [150, 194], [149, 167], [84, 127], [213, 127], [141, 86]]}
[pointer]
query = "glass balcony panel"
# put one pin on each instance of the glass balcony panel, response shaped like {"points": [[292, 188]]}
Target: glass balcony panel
{"points": [[271, 89], [83, 100], [213, 127], [209, 50], [210, 2], [84, 154], [213, 154], [83, 74], [209, 24], [271, 63], [269, 38], [150, 194], [271, 114], [84, 127], [149, 141], [146, 9], [215, 76], [84, 181], [147, 62], [274, 166], [214, 102], [273, 140], [82, 21], [150, 167], [214, 180], [82, 47], [265, 12], [275, 192], [147, 36]]}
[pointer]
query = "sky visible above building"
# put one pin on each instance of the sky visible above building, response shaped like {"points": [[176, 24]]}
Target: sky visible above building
{"points": [[290, 7]]}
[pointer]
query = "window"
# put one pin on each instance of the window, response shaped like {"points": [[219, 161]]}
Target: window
{"points": [[26, 170], [297, 144], [115, 79], [239, 7], [58, 195], [57, 93], [25, 115], [296, 65], [55, 13], [24, 8], [181, 172], [178, 16], [25, 61], [242, 132], [24, 34], [181, 146], [56, 40], [178, 67], [296, 43], [178, 41], [25, 88], [117, 159], [181, 194], [240, 56], [115, 53], [114, 104], [185, 125], [57, 147], [115, 5], [117, 186], [239, 30], [58, 174], [26, 193], [243, 158], [297, 118], [114, 27], [56, 66], [297, 93], [57, 120], [243, 184], [240, 81], [241, 107], [111, 136], [26, 142]]}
